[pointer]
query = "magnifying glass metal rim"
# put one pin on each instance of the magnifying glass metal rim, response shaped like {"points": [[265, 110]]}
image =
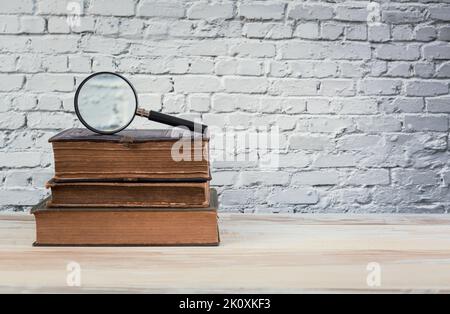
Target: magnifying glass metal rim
{"points": [[77, 111]]}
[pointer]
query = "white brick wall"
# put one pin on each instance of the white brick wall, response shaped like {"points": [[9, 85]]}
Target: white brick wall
{"points": [[358, 89]]}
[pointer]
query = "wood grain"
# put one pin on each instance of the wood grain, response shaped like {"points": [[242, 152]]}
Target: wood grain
{"points": [[262, 254]]}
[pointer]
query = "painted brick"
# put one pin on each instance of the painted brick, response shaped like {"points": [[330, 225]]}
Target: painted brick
{"points": [[251, 178], [50, 83], [294, 196], [245, 85], [11, 120], [426, 88], [352, 12], [438, 51], [381, 87], [369, 177], [262, 11], [112, 7], [311, 12], [9, 83], [18, 6], [438, 105], [210, 11], [426, 123], [197, 84], [20, 159], [398, 52], [316, 178]]}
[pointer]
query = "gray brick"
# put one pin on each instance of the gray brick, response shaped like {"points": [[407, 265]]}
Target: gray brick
{"points": [[446, 178], [338, 87], [245, 85], [316, 178], [404, 17], [21, 197], [352, 12], [424, 70], [20, 159], [426, 33], [336, 161], [351, 106], [379, 124], [426, 123], [262, 11], [444, 33], [359, 142], [294, 160], [308, 142], [10, 83], [398, 52], [356, 32], [210, 11], [438, 105], [112, 7], [402, 32], [221, 178], [252, 178], [11, 120], [237, 197], [17, 6], [295, 196], [351, 51], [426, 88], [410, 177], [267, 30], [308, 30], [310, 12], [439, 51], [399, 69], [443, 71], [160, 9], [332, 31], [322, 50], [257, 50], [405, 105], [381, 87], [369, 177], [440, 13], [293, 87], [379, 33]]}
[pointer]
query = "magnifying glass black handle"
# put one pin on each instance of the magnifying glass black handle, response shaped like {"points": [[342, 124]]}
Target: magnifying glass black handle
{"points": [[174, 121]]}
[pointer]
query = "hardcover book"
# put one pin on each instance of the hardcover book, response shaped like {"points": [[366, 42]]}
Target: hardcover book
{"points": [[81, 155], [129, 194], [62, 226]]}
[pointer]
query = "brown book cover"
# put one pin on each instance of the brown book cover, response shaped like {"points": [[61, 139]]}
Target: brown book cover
{"points": [[81, 155], [127, 226], [129, 194]]}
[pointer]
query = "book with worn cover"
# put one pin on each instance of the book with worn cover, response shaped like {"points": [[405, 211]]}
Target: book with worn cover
{"points": [[61, 226], [129, 194], [146, 155]]}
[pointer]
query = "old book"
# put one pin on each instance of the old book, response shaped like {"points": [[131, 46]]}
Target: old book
{"points": [[126, 226], [164, 155], [129, 194]]}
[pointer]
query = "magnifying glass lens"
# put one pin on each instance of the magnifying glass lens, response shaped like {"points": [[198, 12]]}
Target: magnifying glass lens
{"points": [[106, 103]]}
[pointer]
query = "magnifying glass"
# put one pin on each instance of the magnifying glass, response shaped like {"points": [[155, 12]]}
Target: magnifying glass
{"points": [[106, 103]]}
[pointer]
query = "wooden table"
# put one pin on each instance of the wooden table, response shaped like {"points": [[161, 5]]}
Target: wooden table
{"points": [[259, 254]]}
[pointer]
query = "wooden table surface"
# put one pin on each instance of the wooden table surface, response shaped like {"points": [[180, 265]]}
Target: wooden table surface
{"points": [[258, 254]]}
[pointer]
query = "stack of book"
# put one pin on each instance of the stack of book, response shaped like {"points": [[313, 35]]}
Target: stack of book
{"points": [[132, 188]]}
